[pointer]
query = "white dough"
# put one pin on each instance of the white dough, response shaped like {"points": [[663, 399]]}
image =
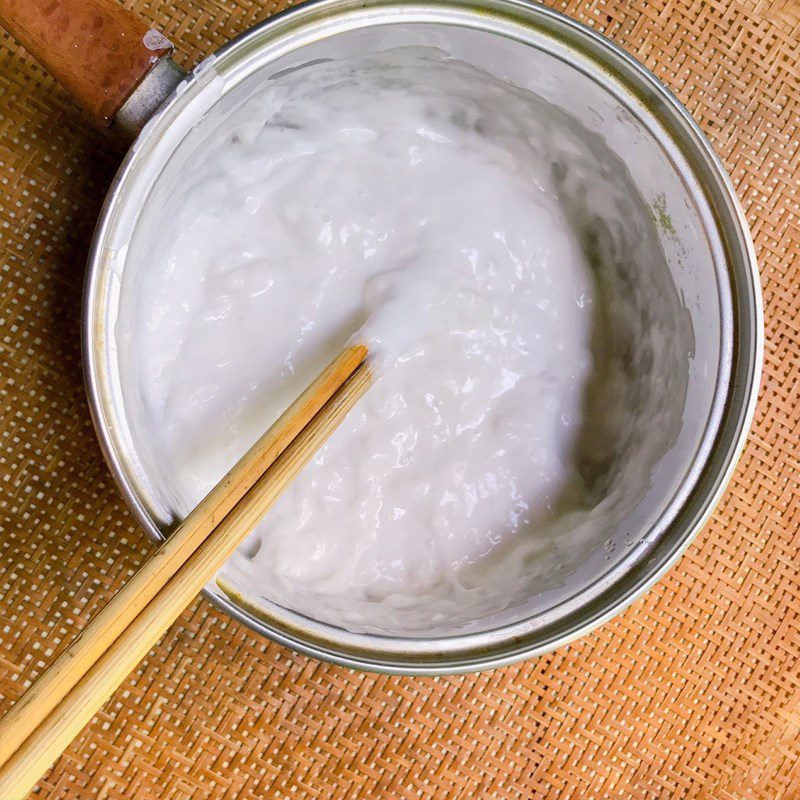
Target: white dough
{"points": [[410, 198]]}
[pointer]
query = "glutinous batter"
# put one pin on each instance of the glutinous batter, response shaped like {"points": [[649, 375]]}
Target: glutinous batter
{"points": [[412, 201]]}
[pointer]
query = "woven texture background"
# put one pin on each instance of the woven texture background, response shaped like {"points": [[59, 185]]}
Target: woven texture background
{"points": [[693, 692]]}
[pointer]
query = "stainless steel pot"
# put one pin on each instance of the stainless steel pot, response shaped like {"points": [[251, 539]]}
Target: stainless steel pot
{"points": [[701, 228]]}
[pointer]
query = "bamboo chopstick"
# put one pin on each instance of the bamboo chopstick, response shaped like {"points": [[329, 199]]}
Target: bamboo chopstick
{"points": [[65, 672], [102, 668]]}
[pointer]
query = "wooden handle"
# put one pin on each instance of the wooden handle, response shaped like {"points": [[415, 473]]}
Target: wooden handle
{"points": [[100, 671], [98, 50]]}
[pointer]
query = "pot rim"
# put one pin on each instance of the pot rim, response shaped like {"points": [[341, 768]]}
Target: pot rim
{"points": [[620, 586]]}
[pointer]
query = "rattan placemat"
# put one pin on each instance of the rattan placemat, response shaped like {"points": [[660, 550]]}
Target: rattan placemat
{"points": [[693, 692]]}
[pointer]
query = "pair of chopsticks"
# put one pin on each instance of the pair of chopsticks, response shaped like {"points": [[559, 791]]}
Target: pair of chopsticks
{"points": [[55, 708]]}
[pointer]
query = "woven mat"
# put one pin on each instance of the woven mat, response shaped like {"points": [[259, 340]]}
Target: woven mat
{"points": [[693, 692]]}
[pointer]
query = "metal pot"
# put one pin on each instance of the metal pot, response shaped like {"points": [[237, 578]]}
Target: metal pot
{"points": [[701, 229]]}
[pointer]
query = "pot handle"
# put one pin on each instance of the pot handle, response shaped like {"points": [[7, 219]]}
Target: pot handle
{"points": [[98, 50]]}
